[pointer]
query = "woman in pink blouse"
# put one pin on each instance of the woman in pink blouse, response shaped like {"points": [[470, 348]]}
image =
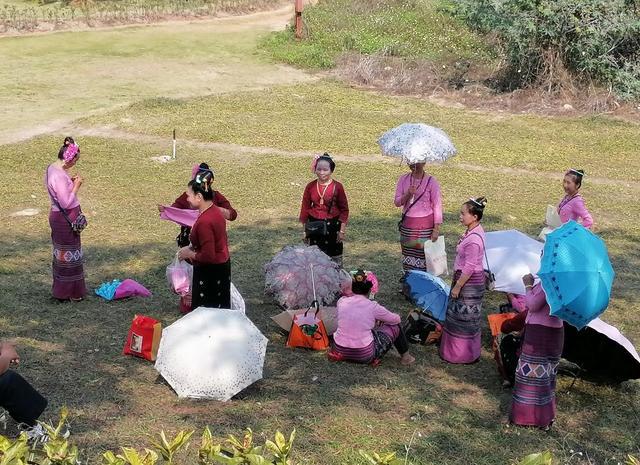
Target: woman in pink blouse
{"points": [[460, 341], [572, 206], [419, 196], [324, 211], [366, 330], [68, 271], [534, 402]]}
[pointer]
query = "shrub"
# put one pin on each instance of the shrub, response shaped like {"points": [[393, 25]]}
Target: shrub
{"points": [[594, 40]]}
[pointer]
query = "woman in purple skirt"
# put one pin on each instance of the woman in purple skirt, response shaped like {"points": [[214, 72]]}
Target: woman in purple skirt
{"points": [[534, 393], [460, 341], [68, 272]]}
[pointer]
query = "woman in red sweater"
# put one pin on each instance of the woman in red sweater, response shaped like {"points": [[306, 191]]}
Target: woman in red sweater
{"points": [[219, 200], [209, 251], [324, 211]]}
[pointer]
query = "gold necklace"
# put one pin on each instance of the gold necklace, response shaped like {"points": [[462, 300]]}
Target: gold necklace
{"points": [[321, 195]]}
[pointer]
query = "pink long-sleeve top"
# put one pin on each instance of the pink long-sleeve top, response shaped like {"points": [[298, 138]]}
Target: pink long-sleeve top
{"points": [[429, 204], [573, 208], [59, 183], [357, 316], [470, 251], [538, 309]]}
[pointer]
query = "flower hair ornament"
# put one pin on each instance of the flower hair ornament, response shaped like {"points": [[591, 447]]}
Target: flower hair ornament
{"points": [[204, 179], [71, 152], [314, 163]]}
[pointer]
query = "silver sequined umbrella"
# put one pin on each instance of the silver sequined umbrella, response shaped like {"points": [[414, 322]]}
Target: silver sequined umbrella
{"points": [[417, 143]]}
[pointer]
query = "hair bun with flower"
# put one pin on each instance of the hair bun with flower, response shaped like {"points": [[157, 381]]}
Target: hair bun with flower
{"points": [[204, 178], [70, 152]]}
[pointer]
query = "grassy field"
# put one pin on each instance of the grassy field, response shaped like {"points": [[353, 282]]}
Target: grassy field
{"points": [[405, 28], [448, 414], [49, 80]]}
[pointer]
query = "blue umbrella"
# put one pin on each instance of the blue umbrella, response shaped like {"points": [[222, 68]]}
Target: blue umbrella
{"points": [[417, 143], [576, 274], [428, 292]]}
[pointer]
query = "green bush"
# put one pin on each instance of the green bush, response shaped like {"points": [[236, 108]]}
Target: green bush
{"points": [[594, 40]]}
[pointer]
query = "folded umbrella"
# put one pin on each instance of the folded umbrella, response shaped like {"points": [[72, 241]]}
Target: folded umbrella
{"points": [[576, 274], [417, 143], [511, 255], [428, 292]]}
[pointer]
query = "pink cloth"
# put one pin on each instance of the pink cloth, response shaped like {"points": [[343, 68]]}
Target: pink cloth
{"points": [[460, 350], [574, 208], [470, 251], [194, 170], [538, 309], [180, 215], [357, 316], [429, 204], [130, 288], [59, 183]]}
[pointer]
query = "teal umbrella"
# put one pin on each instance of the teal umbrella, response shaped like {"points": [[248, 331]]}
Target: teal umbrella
{"points": [[576, 274]]}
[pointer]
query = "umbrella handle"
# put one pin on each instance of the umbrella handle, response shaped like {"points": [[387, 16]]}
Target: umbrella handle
{"points": [[313, 284]]}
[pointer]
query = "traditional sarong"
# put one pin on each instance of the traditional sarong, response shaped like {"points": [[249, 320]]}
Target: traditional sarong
{"points": [[329, 244], [384, 337], [68, 271], [534, 393], [414, 232], [460, 341], [211, 286]]}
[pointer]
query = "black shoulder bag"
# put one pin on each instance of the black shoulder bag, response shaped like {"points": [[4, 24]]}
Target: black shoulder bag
{"points": [[489, 277], [319, 228]]}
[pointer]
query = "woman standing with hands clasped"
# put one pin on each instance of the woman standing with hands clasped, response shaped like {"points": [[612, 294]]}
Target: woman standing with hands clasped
{"points": [[324, 211], [419, 195], [572, 206], [460, 341]]}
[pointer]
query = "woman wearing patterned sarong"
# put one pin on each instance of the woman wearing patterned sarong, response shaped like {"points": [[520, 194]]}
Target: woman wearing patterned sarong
{"points": [[68, 271], [366, 330], [534, 396], [460, 341], [419, 195]]}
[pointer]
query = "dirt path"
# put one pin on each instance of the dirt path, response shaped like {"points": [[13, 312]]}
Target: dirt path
{"points": [[48, 80], [110, 133]]}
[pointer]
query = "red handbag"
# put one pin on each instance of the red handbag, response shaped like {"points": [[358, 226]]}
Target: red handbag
{"points": [[143, 338], [308, 331]]}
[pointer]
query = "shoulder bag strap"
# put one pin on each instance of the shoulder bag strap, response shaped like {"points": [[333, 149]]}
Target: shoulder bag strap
{"points": [[55, 200], [484, 248], [404, 214]]}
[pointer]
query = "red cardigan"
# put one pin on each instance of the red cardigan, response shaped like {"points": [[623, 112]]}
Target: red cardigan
{"points": [[209, 238], [219, 200], [311, 203]]}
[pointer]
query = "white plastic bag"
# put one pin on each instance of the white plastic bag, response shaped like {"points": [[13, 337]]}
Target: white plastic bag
{"points": [[552, 221], [436, 257], [179, 275]]}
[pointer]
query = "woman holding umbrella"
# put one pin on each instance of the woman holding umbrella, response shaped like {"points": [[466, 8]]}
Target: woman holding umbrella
{"points": [[419, 196], [209, 252], [572, 206], [325, 210], [534, 402], [461, 333]]}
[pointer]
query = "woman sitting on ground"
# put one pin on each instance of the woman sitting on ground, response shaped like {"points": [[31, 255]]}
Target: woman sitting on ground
{"points": [[366, 330]]}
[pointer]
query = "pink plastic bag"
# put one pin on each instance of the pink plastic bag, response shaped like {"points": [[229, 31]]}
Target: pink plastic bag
{"points": [[179, 275]]}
